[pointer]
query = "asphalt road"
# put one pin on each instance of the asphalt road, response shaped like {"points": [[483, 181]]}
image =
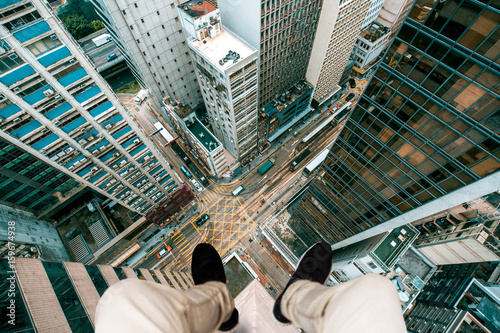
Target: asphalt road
{"points": [[233, 218]]}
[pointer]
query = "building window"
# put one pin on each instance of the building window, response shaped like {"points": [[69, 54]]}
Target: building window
{"points": [[157, 13], [135, 5], [131, 28], [142, 20], [123, 11]]}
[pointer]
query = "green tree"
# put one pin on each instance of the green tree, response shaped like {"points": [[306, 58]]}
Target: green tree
{"points": [[78, 26], [98, 25]]}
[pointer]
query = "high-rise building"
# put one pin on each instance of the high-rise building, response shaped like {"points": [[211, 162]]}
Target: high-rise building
{"points": [[458, 298], [149, 35], [227, 70], [30, 237], [205, 145], [62, 126], [377, 254], [423, 136], [283, 33], [63, 297], [462, 234], [393, 13], [372, 13], [338, 28]]}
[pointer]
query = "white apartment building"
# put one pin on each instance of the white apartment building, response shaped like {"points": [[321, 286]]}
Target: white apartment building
{"points": [[338, 29], [205, 145], [369, 45], [372, 13], [227, 71], [150, 36], [392, 15]]}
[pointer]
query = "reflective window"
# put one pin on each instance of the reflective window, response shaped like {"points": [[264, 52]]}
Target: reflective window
{"points": [[22, 319], [484, 25], [97, 278], [68, 299]]}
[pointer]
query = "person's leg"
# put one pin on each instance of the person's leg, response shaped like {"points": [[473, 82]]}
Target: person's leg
{"points": [[141, 306], [367, 304]]}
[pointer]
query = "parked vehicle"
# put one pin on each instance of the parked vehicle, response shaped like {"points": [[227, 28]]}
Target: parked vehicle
{"points": [[196, 185], [112, 56], [102, 39], [204, 181], [199, 222], [349, 97], [141, 96], [352, 83], [238, 190], [164, 251], [266, 166]]}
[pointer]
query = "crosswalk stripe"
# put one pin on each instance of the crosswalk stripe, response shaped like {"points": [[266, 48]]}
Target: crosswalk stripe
{"points": [[181, 241]]}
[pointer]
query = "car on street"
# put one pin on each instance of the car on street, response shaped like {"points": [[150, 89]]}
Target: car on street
{"points": [[112, 56], [349, 97], [199, 222], [196, 185], [352, 83], [164, 251]]}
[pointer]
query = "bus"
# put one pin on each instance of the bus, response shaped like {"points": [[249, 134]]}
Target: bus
{"points": [[320, 127], [240, 189], [299, 160], [186, 172], [164, 133], [340, 113], [315, 162]]}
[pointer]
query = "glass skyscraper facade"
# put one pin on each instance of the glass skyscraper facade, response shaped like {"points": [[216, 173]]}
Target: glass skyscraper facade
{"points": [[62, 127], [426, 125]]}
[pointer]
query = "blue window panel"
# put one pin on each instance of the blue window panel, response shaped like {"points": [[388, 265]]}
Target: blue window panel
{"points": [[88, 94], [163, 181], [150, 191], [139, 181], [160, 197], [135, 151], [26, 129], [155, 170], [72, 77], [122, 132], [128, 142], [61, 109], [101, 108], [74, 124], [10, 110], [113, 120], [108, 155], [146, 208], [84, 171], [98, 176], [36, 96], [30, 31], [17, 74], [45, 142], [79, 158], [100, 144], [6, 3], [54, 56]]}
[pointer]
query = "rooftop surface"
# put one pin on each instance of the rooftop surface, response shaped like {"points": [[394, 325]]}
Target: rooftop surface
{"points": [[256, 316], [374, 32], [182, 111], [237, 276], [197, 8], [215, 49], [395, 242], [287, 98], [204, 136]]}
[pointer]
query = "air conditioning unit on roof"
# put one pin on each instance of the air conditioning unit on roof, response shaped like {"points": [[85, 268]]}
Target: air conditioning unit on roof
{"points": [[48, 92]]}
